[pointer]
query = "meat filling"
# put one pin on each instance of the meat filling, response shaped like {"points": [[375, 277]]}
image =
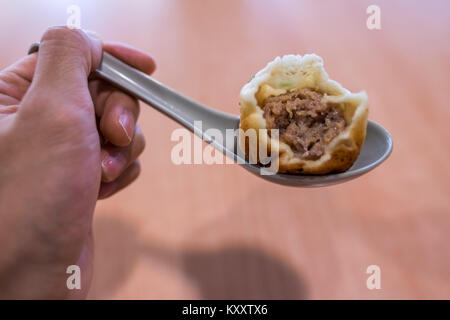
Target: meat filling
{"points": [[305, 121]]}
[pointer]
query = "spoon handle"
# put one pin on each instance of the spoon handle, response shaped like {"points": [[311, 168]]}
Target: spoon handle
{"points": [[176, 106]]}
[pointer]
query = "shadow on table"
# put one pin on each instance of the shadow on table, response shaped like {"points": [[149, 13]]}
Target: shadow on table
{"points": [[227, 273]]}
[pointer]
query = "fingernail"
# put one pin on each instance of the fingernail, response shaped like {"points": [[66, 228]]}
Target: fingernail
{"points": [[107, 163], [112, 164], [124, 121]]}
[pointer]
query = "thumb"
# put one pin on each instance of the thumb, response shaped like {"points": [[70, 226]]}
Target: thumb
{"points": [[66, 58]]}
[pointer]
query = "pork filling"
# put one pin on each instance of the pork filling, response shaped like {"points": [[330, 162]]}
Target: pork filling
{"points": [[305, 121]]}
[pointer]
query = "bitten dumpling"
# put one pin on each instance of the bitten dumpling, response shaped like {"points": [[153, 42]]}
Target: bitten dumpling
{"points": [[322, 125]]}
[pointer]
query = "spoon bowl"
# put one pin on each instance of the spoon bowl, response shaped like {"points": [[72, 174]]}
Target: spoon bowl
{"points": [[376, 148]]}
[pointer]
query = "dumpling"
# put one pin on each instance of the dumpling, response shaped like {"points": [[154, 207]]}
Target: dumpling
{"points": [[321, 125]]}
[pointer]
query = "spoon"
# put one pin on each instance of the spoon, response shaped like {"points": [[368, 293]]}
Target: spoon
{"points": [[187, 112]]}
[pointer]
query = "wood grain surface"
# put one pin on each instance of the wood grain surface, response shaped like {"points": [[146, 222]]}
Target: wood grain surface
{"points": [[216, 231]]}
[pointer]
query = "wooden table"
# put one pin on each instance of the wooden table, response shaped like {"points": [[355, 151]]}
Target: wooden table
{"points": [[217, 231]]}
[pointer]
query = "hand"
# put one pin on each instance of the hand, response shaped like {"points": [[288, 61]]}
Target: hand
{"points": [[65, 141]]}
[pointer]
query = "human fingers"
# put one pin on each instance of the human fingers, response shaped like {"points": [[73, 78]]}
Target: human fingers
{"points": [[115, 160]]}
